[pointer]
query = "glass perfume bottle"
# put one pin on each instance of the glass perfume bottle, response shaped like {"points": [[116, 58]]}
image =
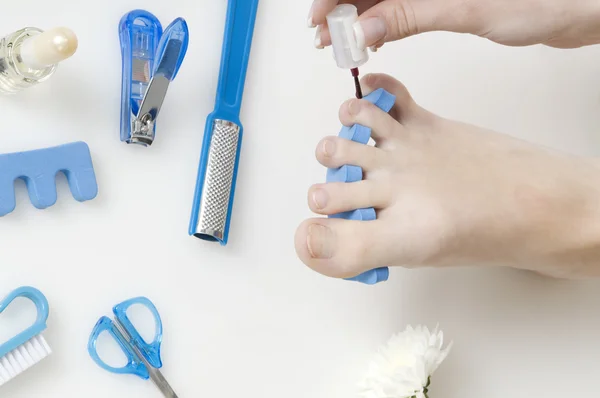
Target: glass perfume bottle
{"points": [[30, 56]]}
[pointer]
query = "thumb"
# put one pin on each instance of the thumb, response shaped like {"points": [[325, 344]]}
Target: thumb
{"points": [[392, 20]]}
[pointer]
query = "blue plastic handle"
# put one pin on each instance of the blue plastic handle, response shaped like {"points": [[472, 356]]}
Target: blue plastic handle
{"points": [[149, 350], [172, 48], [145, 51], [134, 364], [139, 35], [237, 43], [41, 305], [235, 54]]}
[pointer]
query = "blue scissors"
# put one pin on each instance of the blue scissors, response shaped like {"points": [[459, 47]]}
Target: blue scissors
{"points": [[143, 359]]}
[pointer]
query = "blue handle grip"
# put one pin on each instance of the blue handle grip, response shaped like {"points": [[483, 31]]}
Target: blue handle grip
{"points": [[350, 173], [147, 51], [134, 365], [237, 42], [172, 48], [41, 305], [150, 351], [139, 35]]}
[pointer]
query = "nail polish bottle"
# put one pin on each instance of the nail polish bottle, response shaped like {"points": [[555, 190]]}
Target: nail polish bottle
{"points": [[30, 56], [346, 50], [344, 37]]}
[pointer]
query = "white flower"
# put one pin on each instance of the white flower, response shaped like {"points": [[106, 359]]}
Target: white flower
{"points": [[403, 368]]}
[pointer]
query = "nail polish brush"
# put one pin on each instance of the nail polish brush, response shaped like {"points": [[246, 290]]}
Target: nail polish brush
{"points": [[346, 51]]}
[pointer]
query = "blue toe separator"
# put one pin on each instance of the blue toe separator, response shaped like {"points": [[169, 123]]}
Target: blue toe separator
{"points": [[349, 173]]}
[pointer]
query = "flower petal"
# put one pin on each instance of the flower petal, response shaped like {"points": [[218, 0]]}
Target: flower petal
{"points": [[402, 367]]}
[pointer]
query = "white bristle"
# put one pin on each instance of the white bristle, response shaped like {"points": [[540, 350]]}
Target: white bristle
{"points": [[23, 357]]}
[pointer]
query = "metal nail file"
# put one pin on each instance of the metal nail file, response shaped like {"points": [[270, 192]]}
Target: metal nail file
{"points": [[215, 186]]}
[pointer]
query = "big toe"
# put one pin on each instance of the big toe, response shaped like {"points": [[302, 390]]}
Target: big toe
{"points": [[340, 248]]}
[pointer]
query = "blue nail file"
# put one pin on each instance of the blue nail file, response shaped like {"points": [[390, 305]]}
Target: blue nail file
{"points": [[350, 173], [220, 154], [38, 168]]}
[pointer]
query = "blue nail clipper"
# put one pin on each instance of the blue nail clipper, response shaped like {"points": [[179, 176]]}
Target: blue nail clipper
{"points": [[150, 61], [215, 186], [143, 359]]}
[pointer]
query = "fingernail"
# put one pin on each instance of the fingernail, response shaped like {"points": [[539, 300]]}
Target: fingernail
{"points": [[328, 148], [370, 30], [319, 242], [318, 41], [310, 22], [373, 49], [320, 198]]}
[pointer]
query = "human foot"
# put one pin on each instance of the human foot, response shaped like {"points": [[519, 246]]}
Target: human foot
{"points": [[450, 194]]}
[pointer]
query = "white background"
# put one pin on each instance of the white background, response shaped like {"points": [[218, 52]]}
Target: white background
{"points": [[249, 319]]}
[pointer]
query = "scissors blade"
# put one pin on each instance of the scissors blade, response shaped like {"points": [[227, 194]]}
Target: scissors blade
{"points": [[157, 378], [160, 382]]}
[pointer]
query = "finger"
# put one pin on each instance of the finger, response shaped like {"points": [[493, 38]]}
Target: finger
{"points": [[319, 10], [334, 152], [383, 126], [323, 36], [319, 36], [338, 197], [393, 20]]}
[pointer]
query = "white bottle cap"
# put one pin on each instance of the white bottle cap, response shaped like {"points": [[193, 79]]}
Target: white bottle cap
{"points": [[343, 39], [48, 48]]}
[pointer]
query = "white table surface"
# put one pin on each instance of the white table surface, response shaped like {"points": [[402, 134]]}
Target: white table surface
{"points": [[250, 319]]}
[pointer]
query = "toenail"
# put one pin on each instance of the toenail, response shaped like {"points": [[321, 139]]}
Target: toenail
{"points": [[328, 148], [353, 107], [320, 198], [319, 242]]}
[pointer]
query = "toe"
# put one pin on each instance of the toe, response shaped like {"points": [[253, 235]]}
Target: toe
{"points": [[405, 109], [340, 248], [339, 197], [334, 152], [383, 125]]}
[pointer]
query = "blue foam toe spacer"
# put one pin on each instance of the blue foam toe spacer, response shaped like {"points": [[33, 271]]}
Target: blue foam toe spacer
{"points": [[372, 277], [38, 168], [357, 215], [350, 173], [346, 173]]}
